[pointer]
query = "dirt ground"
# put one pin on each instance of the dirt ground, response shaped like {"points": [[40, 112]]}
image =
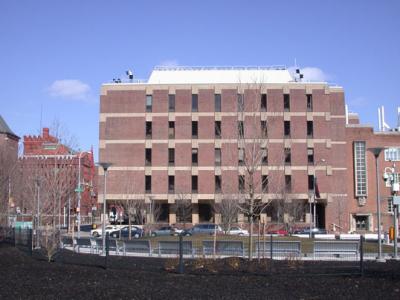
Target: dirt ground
{"points": [[79, 276]]}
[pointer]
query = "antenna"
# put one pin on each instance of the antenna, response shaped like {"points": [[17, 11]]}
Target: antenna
{"points": [[384, 124], [379, 119], [41, 115], [398, 118]]}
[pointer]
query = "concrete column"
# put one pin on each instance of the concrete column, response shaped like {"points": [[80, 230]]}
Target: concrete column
{"points": [[149, 219], [240, 218], [263, 218], [308, 218], [195, 218], [286, 217], [172, 218], [217, 218], [195, 213]]}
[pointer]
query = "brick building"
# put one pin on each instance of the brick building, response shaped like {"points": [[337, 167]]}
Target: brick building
{"points": [[8, 158], [54, 159], [361, 214], [179, 133]]}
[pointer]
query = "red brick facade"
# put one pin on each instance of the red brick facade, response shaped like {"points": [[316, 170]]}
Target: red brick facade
{"points": [[46, 152], [362, 210], [123, 141]]}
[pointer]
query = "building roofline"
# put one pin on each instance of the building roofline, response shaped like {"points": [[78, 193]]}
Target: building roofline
{"points": [[5, 129]]}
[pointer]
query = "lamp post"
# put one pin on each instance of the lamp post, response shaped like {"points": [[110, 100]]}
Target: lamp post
{"points": [[376, 151], [391, 177], [38, 212], [105, 166]]}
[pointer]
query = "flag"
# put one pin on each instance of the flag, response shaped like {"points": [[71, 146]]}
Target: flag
{"points": [[316, 189]]}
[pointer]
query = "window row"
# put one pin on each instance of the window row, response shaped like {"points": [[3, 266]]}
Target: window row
{"points": [[263, 102], [240, 125], [262, 155], [241, 184]]}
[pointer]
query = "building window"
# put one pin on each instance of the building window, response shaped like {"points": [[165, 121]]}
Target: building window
{"points": [[148, 156], [217, 156], [390, 205], [310, 156], [218, 183], [263, 102], [148, 184], [148, 130], [149, 103], [264, 129], [309, 102], [194, 156], [171, 156], [286, 128], [241, 156], [240, 102], [241, 183], [194, 184], [362, 222], [171, 102], [241, 129], [194, 130], [286, 102], [360, 168], [217, 98], [171, 129], [288, 183], [171, 184], [264, 183], [392, 154], [288, 156], [217, 129], [310, 183], [264, 156], [310, 129], [195, 102]]}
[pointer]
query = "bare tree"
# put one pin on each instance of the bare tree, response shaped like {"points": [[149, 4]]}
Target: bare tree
{"points": [[295, 212], [253, 155], [183, 205], [8, 166], [228, 208], [154, 212], [62, 134]]}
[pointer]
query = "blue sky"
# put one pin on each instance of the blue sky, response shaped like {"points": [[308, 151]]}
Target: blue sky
{"points": [[56, 54]]}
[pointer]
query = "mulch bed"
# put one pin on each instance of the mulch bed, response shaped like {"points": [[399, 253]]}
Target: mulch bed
{"points": [[83, 276]]}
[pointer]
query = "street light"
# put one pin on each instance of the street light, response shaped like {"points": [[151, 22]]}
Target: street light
{"points": [[376, 151], [391, 177], [105, 166]]}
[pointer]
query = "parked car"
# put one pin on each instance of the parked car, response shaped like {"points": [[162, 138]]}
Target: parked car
{"points": [[306, 230], [203, 229], [236, 230], [278, 232], [166, 230], [99, 231], [136, 232]]}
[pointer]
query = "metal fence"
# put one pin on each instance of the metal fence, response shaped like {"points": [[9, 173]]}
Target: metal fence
{"points": [[348, 255]]}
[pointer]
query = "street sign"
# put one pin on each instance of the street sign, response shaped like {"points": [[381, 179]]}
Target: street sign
{"points": [[396, 200], [79, 190]]}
